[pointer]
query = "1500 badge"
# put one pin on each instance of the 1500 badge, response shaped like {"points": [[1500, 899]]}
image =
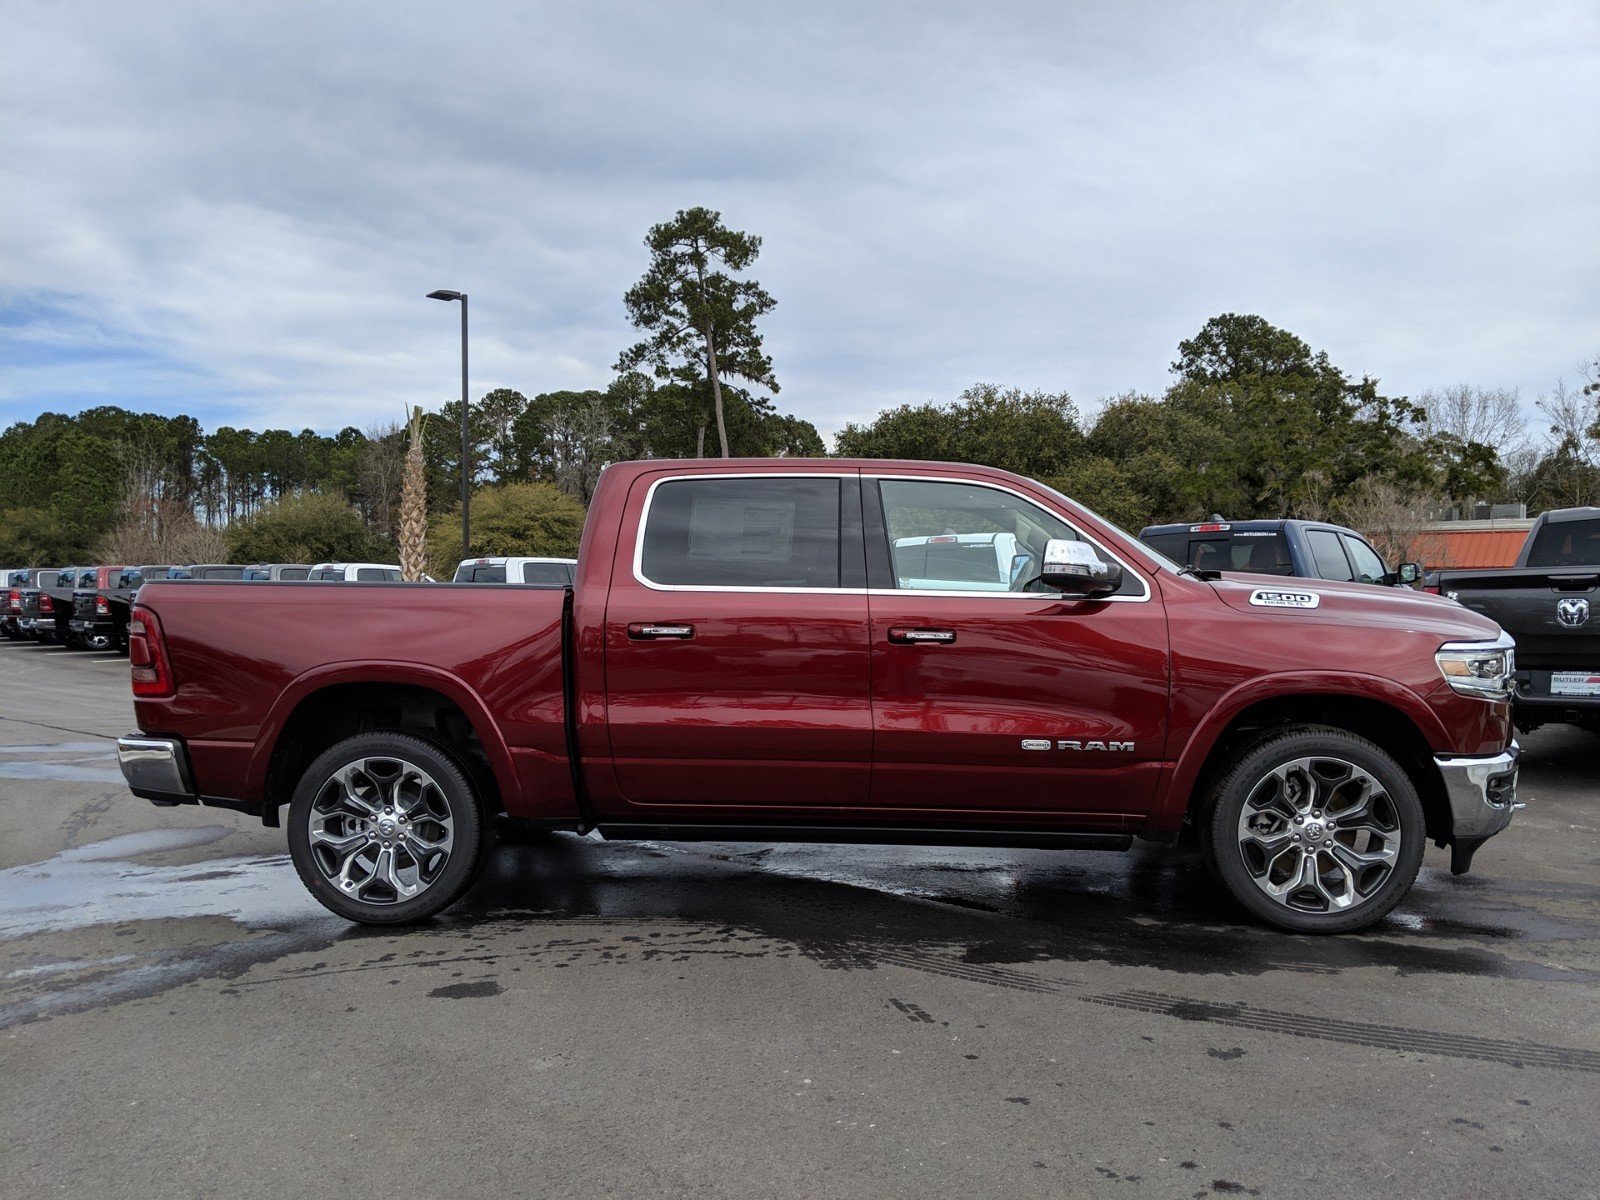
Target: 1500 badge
{"points": [[1072, 744], [1276, 598]]}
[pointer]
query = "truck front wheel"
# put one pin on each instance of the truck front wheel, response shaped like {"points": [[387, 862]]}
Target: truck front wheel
{"points": [[385, 829], [1314, 830]]}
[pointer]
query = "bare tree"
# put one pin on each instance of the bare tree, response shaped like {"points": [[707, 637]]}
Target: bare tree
{"points": [[379, 472], [1489, 416], [581, 440], [1569, 473], [158, 529], [1393, 520]]}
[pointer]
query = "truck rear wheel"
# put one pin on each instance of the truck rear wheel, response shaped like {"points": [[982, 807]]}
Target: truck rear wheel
{"points": [[1314, 830], [385, 829]]}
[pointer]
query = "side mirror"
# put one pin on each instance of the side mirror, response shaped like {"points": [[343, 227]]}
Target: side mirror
{"points": [[1407, 573], [1073, 568]]}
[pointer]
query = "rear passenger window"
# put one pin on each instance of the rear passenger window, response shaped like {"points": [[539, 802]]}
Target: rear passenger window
{"points": [[295, 573], [1331, 562], [763, 531], [370, 575]]}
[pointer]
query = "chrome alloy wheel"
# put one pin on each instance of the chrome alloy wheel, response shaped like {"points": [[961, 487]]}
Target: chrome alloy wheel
{"points": [[381, 830], [1319, 834]]}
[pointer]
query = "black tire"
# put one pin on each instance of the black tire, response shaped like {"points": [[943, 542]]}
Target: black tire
{"points": [[319, 798], [1299, 783]]}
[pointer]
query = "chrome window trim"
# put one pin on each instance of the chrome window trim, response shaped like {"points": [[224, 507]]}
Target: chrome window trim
{"points": [[644, 524], [1027, 597]]}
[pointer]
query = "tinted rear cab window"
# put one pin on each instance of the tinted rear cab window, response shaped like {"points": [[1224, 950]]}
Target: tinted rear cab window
{"points": [[1329, 557], [763, 531], [1256, 551], [547, 574], [1566, 544]]}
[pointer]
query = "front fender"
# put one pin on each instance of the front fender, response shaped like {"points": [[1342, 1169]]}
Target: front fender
{"points": [[1287, 686]]}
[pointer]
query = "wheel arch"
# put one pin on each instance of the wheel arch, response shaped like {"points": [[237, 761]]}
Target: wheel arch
{"points": [[1398, 728], [327, 706]]}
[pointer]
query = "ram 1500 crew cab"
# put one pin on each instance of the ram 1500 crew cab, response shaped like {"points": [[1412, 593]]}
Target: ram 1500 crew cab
{"points": [[783, 650]]}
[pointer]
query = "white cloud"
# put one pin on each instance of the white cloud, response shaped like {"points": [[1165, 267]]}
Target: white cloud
{"points": [[256, 198]]}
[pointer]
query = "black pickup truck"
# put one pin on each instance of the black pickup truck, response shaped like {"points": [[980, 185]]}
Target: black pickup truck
{"points": [[1550, 603], [46, 607], [100, 617]]}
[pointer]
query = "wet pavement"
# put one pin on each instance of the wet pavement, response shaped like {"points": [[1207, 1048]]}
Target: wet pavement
{"points": [[178, 1016]]}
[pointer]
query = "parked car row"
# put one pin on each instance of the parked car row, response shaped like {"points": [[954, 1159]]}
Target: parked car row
{"points": [[88, 607]]}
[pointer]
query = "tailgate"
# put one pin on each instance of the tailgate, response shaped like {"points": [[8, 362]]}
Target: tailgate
{"points": [[1554, 615]]}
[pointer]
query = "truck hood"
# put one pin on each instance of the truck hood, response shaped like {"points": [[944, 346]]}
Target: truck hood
{"points": [[1322, 601]]}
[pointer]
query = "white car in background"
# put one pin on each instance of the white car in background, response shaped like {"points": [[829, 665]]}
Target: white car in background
{"points": [[959, 562], [535, 572], [335, 572]]}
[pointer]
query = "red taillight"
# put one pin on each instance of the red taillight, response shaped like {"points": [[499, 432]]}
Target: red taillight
{"points": [[1432, 589], [102, 606], [147, 654], [1208, 528], [14, 601], [46, 604]]}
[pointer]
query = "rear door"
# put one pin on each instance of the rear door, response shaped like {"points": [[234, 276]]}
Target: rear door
{"points": [[736, 648], [995, 698], [1328, 556]]}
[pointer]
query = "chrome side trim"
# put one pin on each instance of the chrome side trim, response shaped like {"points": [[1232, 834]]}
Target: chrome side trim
{"points": [[1473, 812], [157, 766]]}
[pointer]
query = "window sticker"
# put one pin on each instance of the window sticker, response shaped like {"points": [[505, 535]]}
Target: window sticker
{"points": [[747, 530]]}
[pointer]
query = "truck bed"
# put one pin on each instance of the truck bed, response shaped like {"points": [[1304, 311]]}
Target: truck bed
{"points": [[247, 655]]}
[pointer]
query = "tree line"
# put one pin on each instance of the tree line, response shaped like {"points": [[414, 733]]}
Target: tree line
{"points": [[1254, 423]]}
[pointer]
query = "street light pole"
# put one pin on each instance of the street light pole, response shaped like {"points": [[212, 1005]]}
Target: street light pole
{"points": [[466, 465]]}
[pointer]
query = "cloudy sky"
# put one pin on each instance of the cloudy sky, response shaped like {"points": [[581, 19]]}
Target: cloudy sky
{"points": [[235, 209]]}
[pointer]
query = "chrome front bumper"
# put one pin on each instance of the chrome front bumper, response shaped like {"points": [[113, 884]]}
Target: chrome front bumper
{"points": [[157, 769], [1482, 792]]}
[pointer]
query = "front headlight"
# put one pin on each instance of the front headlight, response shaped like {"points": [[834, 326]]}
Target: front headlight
{"points": [[1481, 669]]}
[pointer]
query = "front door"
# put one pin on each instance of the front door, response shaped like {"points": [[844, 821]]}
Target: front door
{"points": [[993, 698], [736, 650]]}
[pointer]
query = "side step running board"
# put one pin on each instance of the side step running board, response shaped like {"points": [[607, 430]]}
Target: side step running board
{"points": [[872, 835]]}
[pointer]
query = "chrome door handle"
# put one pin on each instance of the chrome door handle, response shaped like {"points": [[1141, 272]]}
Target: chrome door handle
{"points": [[922, 637], [652, 632]]}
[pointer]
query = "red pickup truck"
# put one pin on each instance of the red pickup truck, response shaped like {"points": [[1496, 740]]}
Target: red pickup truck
{"points": [[837, 651]]}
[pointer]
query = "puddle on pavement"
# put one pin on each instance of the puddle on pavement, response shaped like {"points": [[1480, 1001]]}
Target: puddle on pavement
{"points": [[218, 917], [105, 748], [967, 913], [62, 762], [99, 884]]}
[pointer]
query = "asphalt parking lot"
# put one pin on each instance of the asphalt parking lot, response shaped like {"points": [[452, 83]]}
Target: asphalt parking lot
{"points": [[177, 1017]]}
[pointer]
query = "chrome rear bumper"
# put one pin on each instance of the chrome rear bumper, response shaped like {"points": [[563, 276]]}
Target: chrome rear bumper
{"points": [[157, 769]]}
